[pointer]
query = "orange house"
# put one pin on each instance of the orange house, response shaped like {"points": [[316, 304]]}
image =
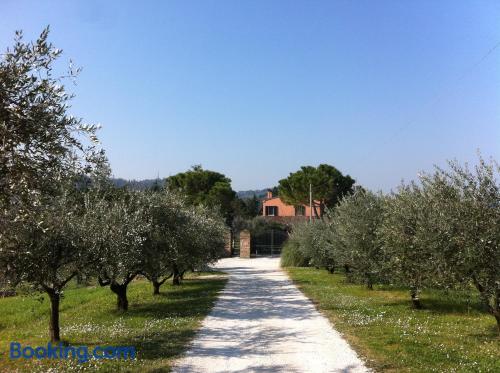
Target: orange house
{"points": [[275, 207]]}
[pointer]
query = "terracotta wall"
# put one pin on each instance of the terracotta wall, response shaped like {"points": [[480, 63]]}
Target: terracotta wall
{"points": [[283, 209]]}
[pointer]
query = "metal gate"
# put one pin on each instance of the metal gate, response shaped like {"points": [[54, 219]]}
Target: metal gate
{"points": [[268, 243], [236, 245]]}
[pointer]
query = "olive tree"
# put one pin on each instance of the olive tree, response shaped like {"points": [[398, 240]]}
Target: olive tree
{"points": [[179, 237], [116, 229], [202, 239], [41, 142], [406, 240], [355, 223], [445, 232], [47, 251], [43, 149], [314, 240], [464, 225], [167, 212]]}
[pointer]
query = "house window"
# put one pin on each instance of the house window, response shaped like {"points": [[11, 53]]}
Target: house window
{"points": [[300, 210], [271, 210]]}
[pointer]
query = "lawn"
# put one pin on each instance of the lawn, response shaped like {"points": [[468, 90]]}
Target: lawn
{"points": [[160, 327], [452, 333]]}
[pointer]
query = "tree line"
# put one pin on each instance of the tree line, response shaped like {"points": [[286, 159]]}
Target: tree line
{"points": [[441, 231], [60, 216]]}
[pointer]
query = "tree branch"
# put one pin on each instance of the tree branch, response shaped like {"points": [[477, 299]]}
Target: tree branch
{"points": [[102, 282]]}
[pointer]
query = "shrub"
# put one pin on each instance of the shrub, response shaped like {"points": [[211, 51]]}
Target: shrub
{"points": [[355, 221], [409, 257], [292, 256], [464, 224], [313, 240]]}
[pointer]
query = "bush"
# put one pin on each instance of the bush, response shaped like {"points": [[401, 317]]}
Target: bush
{"points": [[291, 256], [356, 247], [313, 241], [441, 232], [406, 242]]}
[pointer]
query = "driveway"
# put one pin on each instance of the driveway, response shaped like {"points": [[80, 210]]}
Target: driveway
{"points": [[263, 323]]}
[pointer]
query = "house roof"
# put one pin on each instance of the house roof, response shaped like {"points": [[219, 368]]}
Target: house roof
{"points": [[315, 202], [270, 198]]}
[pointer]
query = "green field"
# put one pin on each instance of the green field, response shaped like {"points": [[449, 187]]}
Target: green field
{"points": [[160, 327], [452, 333]]}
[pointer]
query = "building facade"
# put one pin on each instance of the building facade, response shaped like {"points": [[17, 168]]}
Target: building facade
{"points": [[274, 207]]}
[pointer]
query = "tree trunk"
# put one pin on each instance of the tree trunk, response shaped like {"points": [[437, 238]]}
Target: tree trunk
{"points": [[494, 306], [315, 209], [156, 287], [331, 269], [55, 299], [347, 269], [369, 285], [497, 317], [415, 299], [155, 280], [177, 275], [369, 281], [121, 295]]}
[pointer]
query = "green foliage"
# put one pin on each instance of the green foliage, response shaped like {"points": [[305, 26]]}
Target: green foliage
{"points": [[116, 228], [260, 225], [442, 232], [204, 187], [313, 240], [354, 229], [246, 208], [151, 233], [47, 249], [410, 259], [163, 239], [41, 141], [59, 215], [446, 231], [203, 238], [291, 255], [464, 223], [329, 185], [46, 156]]}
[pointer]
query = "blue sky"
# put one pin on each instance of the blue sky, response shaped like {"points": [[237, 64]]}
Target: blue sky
{"points": [[255, 89]]}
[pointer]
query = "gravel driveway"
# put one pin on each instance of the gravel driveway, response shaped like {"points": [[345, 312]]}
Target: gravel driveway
{"points": [[263, 323]]}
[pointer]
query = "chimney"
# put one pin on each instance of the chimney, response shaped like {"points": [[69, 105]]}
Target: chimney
{"points": [[269, 193]]}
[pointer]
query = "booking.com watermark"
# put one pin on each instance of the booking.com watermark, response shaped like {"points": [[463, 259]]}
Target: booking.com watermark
{"points": [[81, 353]]}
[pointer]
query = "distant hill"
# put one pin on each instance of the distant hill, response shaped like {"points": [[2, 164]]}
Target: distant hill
{"points": [[259, 193], [149, 183], [137, 184]]}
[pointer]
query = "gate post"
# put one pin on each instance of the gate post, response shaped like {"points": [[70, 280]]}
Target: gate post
{"points": [[227, 243], [245, 243], [272, 241]]}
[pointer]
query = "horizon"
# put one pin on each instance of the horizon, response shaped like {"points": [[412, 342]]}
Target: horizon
{"points": [[254, 90]]}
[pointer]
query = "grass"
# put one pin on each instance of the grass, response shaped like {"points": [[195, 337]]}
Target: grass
{"points": [[452, 333], [159, 327]]}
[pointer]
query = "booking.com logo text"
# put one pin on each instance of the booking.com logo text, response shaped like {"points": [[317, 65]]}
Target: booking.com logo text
{"points": [[60, 351]]}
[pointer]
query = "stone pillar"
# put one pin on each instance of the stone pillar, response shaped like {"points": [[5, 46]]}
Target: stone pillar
{"points": [[245, 243], [227, 243]]}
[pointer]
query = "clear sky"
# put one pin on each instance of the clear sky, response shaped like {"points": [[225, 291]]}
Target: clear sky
{"points": [[255, 89]]}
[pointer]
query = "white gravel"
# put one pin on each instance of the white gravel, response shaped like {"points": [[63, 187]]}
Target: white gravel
{"points": [[263, 323]]}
